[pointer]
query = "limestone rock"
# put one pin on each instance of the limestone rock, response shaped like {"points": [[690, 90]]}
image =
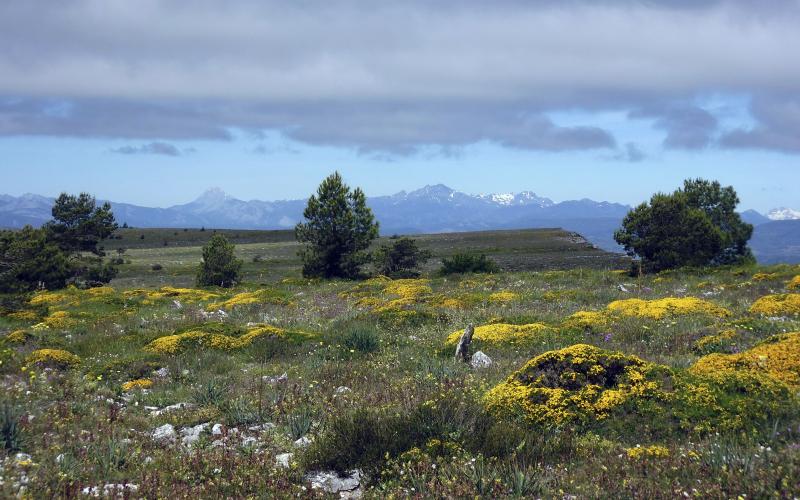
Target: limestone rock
{"points": [[303, 442], [330, 482], [190, 435], [280, 379], [480, 360], [164, 433], [284, 459]]}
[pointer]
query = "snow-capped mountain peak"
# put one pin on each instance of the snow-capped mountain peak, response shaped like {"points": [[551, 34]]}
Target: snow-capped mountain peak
{"points": [[512, 199], [783, 213]]}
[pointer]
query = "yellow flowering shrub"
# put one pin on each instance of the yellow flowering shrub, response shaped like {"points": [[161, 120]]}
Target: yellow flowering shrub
{"points": [[661, 308], [716, 342], [646, 452], [53, 298], [408, 288], [764, 276], [24, 315], [778, 358], [58, 319], [449, 302], [503, 297], [794, 284], [52, 357], [139, 383], [177, 343], [787, 304], [577, 383], [501, 334], [265, 296], [100, 291], [184, 294], [17, 337], [369, 302], [588, 320], [589, 386]]}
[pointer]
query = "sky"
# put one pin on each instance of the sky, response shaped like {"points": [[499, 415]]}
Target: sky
{"points": [[154, 101]]}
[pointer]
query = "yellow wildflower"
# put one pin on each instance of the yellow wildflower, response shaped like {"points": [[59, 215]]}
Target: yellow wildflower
{"points": [[778, 357], [777, 305], [501, 333], [52, 357], [670, 306], [139, 383], [503, 297], [642, 453]]}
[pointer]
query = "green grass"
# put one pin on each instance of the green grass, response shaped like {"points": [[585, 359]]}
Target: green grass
{"points": [[270, 256], [412, 417]]}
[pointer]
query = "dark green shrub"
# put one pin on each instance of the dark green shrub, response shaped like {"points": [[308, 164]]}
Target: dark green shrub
{"points": [[400, 259], [362, 338], [468, 263], [367, 437], [219, 266]]}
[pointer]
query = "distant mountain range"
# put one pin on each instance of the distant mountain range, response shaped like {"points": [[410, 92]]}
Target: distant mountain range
{"points": [[431, 209]]}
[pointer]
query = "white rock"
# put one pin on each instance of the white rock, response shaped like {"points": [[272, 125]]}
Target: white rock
{"points": [[177, 304], [622, 289], [216, 430], [111, 490], [171, 408], [342, 390], [330, 482], [60, 458], [162, 372], [276, 380], [190, 435], [480, 360], [164, 433], [248, 441], [267, 426], [302, 442], [284, 459]]}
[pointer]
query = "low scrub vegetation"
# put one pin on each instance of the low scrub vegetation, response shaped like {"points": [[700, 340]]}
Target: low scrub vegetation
{"points": [[598, 385]]}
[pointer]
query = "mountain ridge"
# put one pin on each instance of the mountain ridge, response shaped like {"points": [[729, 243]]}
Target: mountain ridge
{"points": [[433, 208]]}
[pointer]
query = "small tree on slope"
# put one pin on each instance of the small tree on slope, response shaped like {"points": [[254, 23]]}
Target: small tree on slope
{"points": [[219, 266]]}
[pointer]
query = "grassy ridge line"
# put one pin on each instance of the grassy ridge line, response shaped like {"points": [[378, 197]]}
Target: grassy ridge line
{"points": [[271, 255]]}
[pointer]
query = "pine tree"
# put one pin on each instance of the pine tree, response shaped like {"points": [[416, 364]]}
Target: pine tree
{"points": [[694, 226], [29, 261], [338, 231], [219, 266], [78, 227]]}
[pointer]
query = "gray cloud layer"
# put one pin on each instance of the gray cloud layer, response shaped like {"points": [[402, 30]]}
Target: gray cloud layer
{"points": [[153, 148], [380, 76]]}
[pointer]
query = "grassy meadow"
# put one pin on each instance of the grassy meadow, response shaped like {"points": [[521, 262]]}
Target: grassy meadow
{"points": [[682, 384]]}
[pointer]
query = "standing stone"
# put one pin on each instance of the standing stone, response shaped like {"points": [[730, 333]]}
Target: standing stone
{"points": [[462, 349]]}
